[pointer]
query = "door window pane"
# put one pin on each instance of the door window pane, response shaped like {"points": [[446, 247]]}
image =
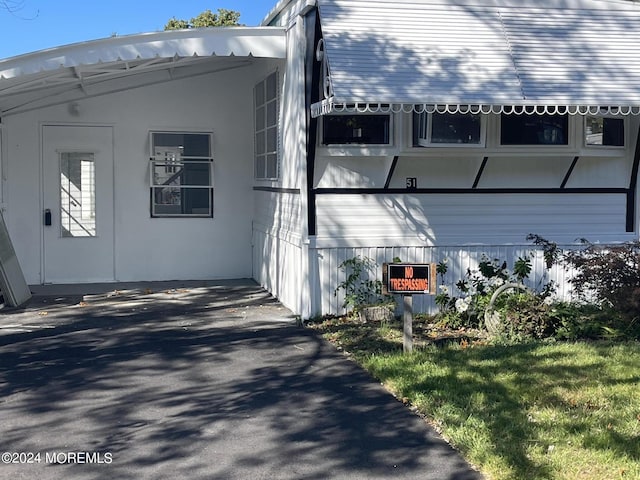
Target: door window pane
{"points": [[77, 194]]}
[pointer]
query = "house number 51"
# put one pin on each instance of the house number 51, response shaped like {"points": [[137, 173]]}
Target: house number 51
{"points": [[412, 182]]}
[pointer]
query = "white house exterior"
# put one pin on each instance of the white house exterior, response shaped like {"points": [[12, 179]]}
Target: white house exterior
{"points": [[102, 106], [421, 193], [415, 129]]}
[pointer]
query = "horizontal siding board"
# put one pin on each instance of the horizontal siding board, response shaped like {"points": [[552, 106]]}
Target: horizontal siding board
{"points": [[277, 210], [437, 218], [278, 268]]}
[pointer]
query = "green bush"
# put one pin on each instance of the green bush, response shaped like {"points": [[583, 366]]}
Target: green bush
{"points": [[608, 275], [475, 290], [527, 315], [359, 290]]}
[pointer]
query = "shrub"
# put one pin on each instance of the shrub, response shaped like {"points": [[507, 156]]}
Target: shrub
{"points": [[359, 290], [608, 275], [606, 284], [476, 289], [528, 315]]}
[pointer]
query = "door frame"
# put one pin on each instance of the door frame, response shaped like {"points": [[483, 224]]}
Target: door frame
{"points": [[41, 181]]}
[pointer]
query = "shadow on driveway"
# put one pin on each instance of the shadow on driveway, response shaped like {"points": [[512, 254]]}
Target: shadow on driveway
{"points": [[212, 382]]}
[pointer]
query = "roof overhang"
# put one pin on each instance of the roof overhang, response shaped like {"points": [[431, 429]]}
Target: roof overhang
{"points": [[561, 56], [98, 67]]}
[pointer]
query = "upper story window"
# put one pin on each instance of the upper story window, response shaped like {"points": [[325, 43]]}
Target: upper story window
{"points": [[356, 129], [181, 170], [603, 131], [265, 95], [451, 129], [534, 129]]}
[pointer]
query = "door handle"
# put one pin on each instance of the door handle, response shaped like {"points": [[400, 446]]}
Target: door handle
{"points": [[47, 217]]}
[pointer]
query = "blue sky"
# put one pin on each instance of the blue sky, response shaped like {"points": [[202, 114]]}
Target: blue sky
{"points": [[40, 24]]}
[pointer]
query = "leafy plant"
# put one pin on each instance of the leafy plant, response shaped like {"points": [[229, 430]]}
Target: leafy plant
{"points": [[476, 289], [550, 250], [527, 316], [359, 290]]}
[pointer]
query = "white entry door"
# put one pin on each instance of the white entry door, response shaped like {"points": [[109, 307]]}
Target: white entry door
{"points": [[78, 204]]}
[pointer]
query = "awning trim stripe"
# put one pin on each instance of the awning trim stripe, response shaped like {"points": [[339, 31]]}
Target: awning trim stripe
{"points": [[329, 106]]}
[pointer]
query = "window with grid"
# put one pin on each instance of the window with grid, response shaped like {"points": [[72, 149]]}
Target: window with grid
{"points": [[181, 169], [266, 128]]}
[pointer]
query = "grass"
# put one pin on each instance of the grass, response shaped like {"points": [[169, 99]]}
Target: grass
{"points": [[519, 412]]}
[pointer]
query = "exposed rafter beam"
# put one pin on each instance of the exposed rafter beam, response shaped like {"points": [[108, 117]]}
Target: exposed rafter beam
{"points": [[78, 74], [62, 97]]}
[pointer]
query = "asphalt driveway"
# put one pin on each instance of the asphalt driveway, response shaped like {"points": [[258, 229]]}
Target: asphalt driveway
{"points": [[196, 381]]}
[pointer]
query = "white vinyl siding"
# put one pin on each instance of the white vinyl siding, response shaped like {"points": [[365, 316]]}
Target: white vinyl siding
{"points": [[278, 213], [278, 253], [460, 258], [387, 220]]}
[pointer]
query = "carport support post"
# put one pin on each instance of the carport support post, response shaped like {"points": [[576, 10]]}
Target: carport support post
{"points": [[407, 329]]}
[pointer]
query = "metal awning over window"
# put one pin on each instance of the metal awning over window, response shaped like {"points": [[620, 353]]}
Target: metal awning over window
{"points": [[557, 56], [97, 67]]}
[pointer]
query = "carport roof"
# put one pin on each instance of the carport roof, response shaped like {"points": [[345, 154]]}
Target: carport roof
{"points": [[97, 67]]}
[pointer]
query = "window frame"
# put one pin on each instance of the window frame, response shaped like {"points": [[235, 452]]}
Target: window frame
{"points": [[422, 142], [596, 146], [354, 145], [266, 154], [569, 132], [171, 165]]}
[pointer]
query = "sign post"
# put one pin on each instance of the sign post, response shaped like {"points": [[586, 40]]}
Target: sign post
{"points": [[407, 279], [407, 323]]}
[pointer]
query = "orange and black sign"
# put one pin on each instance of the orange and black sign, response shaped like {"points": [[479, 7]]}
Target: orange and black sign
{"points": [[409, 278]]}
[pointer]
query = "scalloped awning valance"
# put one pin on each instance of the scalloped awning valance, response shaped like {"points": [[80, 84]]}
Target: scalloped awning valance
{"points": [[329, 106], [561, 56]]}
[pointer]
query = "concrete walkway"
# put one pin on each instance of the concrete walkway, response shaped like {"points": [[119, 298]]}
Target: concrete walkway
{"points": [[195, 381]]}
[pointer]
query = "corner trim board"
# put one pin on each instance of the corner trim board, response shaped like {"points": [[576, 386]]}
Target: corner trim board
{"points": [[633, 185]]}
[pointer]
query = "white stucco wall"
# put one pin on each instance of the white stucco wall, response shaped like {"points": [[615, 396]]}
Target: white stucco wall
{"points": [[150, 248]]}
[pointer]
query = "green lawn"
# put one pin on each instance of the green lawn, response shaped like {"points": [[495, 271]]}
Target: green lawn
{"points": [[535, 411]]}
